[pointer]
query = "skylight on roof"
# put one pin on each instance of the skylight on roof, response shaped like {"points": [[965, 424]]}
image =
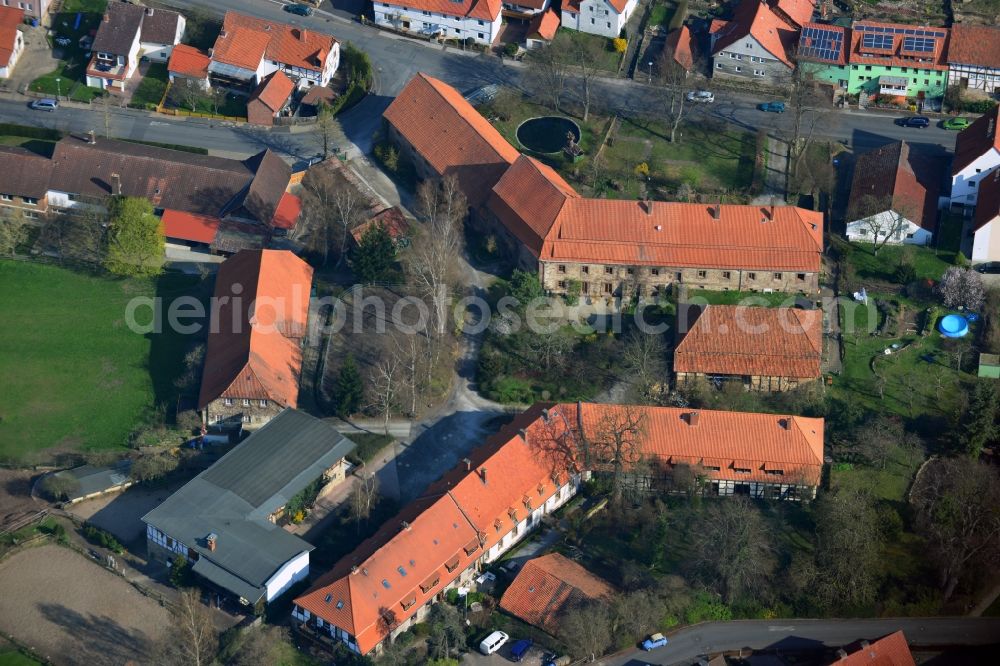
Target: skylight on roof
{"points": [[328, 597], [385, 583], [401, 570], [340, 604]]}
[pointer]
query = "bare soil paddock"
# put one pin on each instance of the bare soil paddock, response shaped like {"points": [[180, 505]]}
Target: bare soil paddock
{"points": [[72, 611]]}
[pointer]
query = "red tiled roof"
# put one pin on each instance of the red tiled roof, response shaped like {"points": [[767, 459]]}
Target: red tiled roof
{"points": [[988, 201], [255, 353], [716, 25], [547, 586], [799, 12], [241, 47], [894, 56], [544, 24], [451, 135], [738, 340], [10, 18], [974, 45], [792, 444], [487, 10], [686, 235], [976, 140], [891, 650], [680, 45], [274, 91], [188, 61], [189, 226], [619, 5], [759, 21], [893, 174], [433, 539], [287, 212], [391, 219], [528, 200], [282, 42]]}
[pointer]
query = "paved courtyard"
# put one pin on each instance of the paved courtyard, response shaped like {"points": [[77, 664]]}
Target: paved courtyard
{"points": [[72, 611]]}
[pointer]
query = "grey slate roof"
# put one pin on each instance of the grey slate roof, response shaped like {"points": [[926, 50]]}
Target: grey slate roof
{"points": [[118, 28], [97, 479], [234, 497], [25, 174]]}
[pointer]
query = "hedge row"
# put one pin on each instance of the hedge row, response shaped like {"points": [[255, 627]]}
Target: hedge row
{"points": [[10, 129]]}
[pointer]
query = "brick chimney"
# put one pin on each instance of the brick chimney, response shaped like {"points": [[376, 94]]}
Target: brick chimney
{"points": [[303, 34], [212, 540], [482, 474], [716, 211], [93, 139], [149, 11], [785, 424], [693, 418]]}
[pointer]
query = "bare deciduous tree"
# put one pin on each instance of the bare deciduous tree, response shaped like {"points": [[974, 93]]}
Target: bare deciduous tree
{"points": [[810, 110], [672, 105], [644, 362], [881, 218], [191, 639], [13, 230], [615, 440], [733, 552], [349, 209], [385, 381], [435, 254], [586, 56], [364, 497], [326, 124], [260, 646], [548, 72], [586, 629], [956, 502]]}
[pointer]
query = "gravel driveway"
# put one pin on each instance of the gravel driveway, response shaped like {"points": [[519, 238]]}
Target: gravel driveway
{"points": [[72, 611]]}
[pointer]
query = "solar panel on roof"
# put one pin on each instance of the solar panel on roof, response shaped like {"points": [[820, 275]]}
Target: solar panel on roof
{"points": [[876, 41], [919, 44], [821, 44]]}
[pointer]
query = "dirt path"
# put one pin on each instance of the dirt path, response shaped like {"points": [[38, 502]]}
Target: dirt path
{"points": [[72, 611]]}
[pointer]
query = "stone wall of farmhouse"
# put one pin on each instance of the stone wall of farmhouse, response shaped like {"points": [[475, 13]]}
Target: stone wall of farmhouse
{"points": [[406, 150], [252, 413], [608, 280]]}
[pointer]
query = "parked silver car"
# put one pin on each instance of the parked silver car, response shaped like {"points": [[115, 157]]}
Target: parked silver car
{"points": [[46, 104], [701, 96]]}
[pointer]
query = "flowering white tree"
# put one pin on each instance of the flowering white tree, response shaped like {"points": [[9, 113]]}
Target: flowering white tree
{"points": [[962, 287]]}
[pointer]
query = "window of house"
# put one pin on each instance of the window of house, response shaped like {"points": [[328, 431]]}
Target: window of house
{"points": [[738, 68], [262, 403], [868, 68], [979, 170], [481, 36], [748, 45], [718, 65], [777, 276], [31, 215], [630, 271], [751, 276], [909, 235], [246, 418], [585, 270], [654, 271], [592, 21], [702, 274], [972, 183], [801, 277], [6, 197], [30, 201], [246, 402], [584, 287], [712, 468], [561, 268], [726, 275], [741, 470], [561, 284], [607, 288], [854, 66], [678, 276], [758, 72], [480, 23], [927, 82], [608, 270], [228, 402], [609, 24], [426, 13]]}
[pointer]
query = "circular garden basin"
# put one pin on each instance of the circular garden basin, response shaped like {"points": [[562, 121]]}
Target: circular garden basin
{"points": [[547, 134], [953, 326]]}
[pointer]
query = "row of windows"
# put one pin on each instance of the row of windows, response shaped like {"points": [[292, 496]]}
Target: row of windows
{"points": [[431, 14], [28, 201], [229, 402], [726, 275], [738, 68]]}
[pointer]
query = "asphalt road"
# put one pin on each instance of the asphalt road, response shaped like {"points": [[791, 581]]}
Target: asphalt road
{"points": [[794, 635], [397, 59]]}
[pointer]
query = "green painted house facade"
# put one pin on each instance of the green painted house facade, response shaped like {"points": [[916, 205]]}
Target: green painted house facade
{"points": [[877, 58]]}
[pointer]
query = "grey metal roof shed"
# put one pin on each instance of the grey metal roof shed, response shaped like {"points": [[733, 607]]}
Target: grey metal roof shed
{"points": [[233, 498]]}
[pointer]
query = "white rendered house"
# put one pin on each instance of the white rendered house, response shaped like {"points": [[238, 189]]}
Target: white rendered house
{"points": [[598, 17], [977, 153], [478, 20], [986, 222]]}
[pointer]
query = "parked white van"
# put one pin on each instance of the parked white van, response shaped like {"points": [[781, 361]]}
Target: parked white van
{"points": [[493, 642]]}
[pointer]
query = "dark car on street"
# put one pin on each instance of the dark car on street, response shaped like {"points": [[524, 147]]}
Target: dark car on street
{"points": [[301, 10], [923, 122], [989, 268], [773, 107]]}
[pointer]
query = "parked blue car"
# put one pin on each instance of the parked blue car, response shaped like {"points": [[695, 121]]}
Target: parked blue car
{"points": [[519, 649], [775, 107], [654, 641]]}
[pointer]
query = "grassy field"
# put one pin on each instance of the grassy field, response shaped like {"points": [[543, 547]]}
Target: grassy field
{"points": [[76, 376], [15, 658], [927, 262]]}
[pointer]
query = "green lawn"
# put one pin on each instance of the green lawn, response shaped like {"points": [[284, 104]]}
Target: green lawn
{"points": [[661, 15], [610, 58], [928, 262], [76, 375], [233, 105], [750, 298], [15, 658], [949, 238], [150, 90]]}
